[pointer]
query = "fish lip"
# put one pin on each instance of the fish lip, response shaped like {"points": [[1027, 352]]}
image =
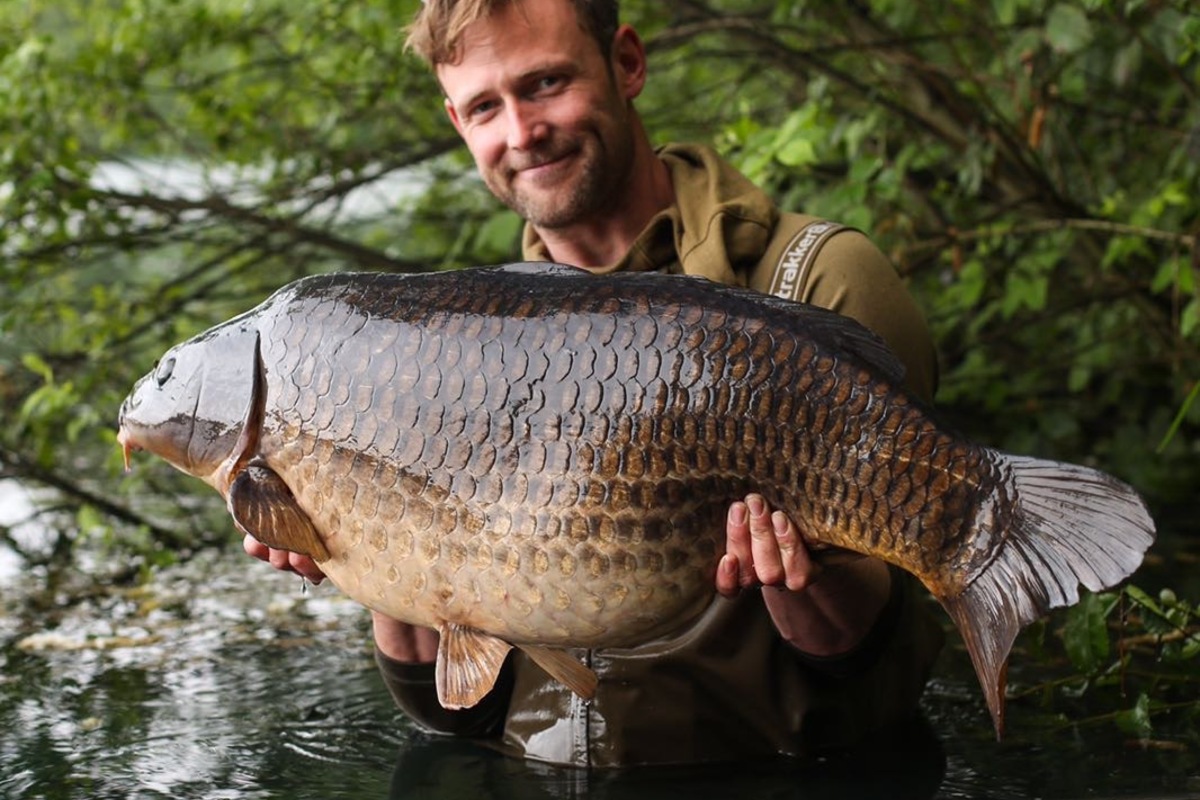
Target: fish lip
{"points": [[127, 445]]}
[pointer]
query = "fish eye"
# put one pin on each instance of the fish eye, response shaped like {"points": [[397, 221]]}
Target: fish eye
{"points": [[162, 372]]}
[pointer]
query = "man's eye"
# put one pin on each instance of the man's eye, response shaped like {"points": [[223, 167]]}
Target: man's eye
{"points": [[482, 109]]}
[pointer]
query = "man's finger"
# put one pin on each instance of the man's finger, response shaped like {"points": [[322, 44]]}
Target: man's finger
{"points": [[727, 576], [305, 566], [763, 546], [799, 569], [737, 544], [280, 559], [283, 560], [255, 549]]}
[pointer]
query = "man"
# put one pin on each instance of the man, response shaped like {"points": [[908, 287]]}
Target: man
{"points": [[542, 93]]}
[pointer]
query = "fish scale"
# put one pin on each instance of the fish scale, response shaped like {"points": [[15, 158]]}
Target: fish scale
{"points": [[545, 455], [534, 456]]}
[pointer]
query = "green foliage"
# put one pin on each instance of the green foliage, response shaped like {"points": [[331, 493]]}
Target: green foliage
{"points": [[1086, 632], [1132, 652]]}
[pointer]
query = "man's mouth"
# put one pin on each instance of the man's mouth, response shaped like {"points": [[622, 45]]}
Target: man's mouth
{"points": [[540, 164]]}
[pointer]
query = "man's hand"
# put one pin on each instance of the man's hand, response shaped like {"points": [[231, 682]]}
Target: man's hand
{"points": [[820, 618], [283, 560], [763, 548], [400, 641]]}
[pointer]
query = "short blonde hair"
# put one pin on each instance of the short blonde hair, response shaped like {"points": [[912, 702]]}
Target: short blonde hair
{"points": [[436, 32]]}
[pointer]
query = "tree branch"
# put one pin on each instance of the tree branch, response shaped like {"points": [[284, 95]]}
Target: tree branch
{"points": [[27, 470]]}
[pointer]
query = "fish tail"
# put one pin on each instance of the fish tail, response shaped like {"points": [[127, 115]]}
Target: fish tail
{"points": [[1061, 526]]}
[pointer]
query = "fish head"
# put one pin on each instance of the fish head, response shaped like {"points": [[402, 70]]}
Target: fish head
{"points": [[190, 410]]}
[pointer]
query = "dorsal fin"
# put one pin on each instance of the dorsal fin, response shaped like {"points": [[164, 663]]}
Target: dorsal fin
{"points": [[538, 268]]}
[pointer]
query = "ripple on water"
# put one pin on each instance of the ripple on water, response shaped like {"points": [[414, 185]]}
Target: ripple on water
{"points": [[222, 679]]}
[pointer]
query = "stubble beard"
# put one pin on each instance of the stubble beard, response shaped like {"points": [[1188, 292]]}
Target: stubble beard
{"points": [[593, 189]]}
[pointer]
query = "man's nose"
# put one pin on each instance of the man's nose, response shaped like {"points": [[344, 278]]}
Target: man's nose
{"points": [[525, 127]]}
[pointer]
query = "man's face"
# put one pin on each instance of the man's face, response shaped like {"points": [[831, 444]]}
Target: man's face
{"points": [[537, 104]]}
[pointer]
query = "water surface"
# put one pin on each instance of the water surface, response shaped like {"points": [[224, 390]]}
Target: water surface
{"points": [[225, 680]]}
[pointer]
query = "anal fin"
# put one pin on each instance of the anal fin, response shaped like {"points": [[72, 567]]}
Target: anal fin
{"points": [[263, 506], [468, 663], [564, 668]]}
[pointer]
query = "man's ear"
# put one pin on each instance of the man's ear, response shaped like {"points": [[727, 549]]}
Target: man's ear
{"points": [[453, 115], [629, 61]]}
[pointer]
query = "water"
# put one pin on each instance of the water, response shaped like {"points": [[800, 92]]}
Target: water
{"points": [[224, 680], [202, 686]]}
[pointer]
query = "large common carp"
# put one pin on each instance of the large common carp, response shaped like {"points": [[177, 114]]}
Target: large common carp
{"points": [[534, 456]]}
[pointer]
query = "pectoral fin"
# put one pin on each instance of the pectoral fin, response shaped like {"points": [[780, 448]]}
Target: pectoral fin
{"points": [[565, 668], [468, 663], [263, 506]]}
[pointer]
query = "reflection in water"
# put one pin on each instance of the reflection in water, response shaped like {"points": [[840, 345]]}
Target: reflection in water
{"points": [[908, 765]]}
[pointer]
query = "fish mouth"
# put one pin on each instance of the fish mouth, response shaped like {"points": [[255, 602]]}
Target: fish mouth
{"points": [[124, 438]]}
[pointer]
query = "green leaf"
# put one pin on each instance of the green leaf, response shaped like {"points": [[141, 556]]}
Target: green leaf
{"points": [[35, 363], [499, 233], [90, 520], [1158, 618], [1024, 291], [1068, 29], [1144, 600], [1190, 317], [1136, 721], [1078, 377], [1180, 416], [1190, 648], [1085, 634], [797, 153], [971, 282], [1174, 275], [1127, 62]]}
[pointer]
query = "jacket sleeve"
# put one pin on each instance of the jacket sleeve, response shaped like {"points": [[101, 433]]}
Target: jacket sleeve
{"points": [[413, 689], [880, 682]]}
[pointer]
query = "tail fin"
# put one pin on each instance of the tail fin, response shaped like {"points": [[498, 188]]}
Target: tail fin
{"points": [[1068, 525]]}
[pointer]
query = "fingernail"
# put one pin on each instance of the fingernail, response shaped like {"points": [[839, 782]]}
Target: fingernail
{"points": [[737, 513], [755, 504]]}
